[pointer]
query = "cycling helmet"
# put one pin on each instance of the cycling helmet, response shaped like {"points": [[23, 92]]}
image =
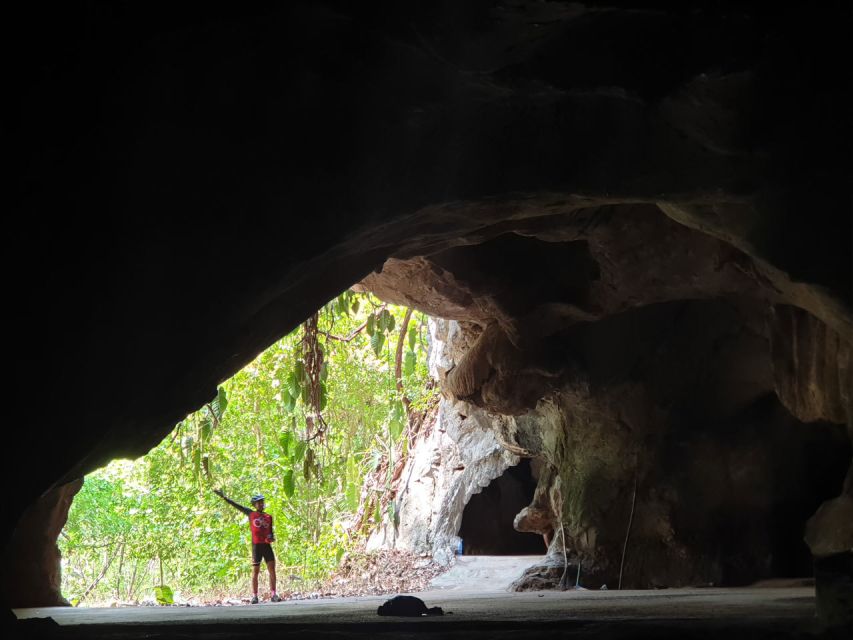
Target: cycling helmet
{"points": [[257, 498]]}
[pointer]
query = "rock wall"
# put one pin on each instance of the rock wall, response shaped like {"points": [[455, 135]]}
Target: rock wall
{"points": [[459, 458], [646, 384], [685, 439], [813, 370], [454, 458], [666, 431], [36, 560], [812, 366]]}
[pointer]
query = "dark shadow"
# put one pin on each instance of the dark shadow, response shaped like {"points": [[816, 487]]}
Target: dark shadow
{"points": [[487, 520]]}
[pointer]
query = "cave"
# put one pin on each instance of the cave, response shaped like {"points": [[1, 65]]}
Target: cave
{"points": [[487, 521], [637, 215]]}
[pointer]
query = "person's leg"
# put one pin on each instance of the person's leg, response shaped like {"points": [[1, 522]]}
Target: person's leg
{"points": [[256, 568], [271, 569], [270, 558]]}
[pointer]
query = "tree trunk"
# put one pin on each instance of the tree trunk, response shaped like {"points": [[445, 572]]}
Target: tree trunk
{"points": [[398, 370]]}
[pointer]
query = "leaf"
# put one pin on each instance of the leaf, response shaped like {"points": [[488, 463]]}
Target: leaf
{"points": [[371, 325], [289, 483], [206, 430], [352, 496], [323, 396], [409, 363], [376, 342], [223, 401], [395, 426], [386, 321], [355, 305], [294, 384], [299, 372], [284, 441], [164, 595], [299, 451], [397, 410], [288, 400], [413, 337], [219, 404]]}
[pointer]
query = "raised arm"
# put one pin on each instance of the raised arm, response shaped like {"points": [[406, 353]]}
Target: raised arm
{"points": [[244, 510]]}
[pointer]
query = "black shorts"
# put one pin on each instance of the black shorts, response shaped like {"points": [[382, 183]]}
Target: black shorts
{"points": [[262, 550]]}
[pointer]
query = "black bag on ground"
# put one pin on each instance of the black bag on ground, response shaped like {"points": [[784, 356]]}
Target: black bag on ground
{"points": [[409, 606]]}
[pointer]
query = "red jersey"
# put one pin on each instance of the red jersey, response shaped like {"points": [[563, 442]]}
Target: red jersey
{"points": [[261, 525]]}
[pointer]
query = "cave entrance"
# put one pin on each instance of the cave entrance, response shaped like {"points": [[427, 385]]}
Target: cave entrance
{"points": [[487, 521], [321, 412]]}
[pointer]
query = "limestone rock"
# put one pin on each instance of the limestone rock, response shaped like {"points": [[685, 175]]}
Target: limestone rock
{"points": [[830, 530], [31, 562], [813, 366], [458, 459]]}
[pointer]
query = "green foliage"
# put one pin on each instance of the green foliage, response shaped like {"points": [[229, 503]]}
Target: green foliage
{"points": [[136, 526], [164, 594], [288, 483], [377, 341], [409, 362]]}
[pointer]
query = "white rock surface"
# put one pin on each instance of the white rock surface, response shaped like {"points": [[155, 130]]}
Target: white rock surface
{"points": [[459, 457]]}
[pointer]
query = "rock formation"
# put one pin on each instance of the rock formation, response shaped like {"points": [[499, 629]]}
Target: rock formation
{"points": [[454, 457], [668, 420]]}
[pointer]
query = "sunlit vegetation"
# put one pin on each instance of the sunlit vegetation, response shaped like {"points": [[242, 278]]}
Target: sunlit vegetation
{"points": [[321, 410]]}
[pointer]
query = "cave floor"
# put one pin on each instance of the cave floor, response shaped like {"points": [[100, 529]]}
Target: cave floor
{"points": [[676, 613]]}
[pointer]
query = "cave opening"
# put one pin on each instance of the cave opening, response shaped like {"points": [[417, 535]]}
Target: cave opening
{"points": [[487, 520], [317, 416]]}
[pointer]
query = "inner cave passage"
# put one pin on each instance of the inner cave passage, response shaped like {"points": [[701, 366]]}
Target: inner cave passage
{"points": [[487, 521]]}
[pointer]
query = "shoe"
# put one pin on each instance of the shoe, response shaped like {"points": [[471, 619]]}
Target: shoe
{"points": [[275, 598], [254, 600]]}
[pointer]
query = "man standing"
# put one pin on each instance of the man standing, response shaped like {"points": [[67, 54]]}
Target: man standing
{"points": [[260, 524]]}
